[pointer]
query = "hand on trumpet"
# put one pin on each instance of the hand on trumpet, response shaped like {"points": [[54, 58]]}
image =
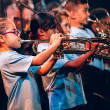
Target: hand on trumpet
{"points": [[67, 45], [94, 48], [56, 39]]}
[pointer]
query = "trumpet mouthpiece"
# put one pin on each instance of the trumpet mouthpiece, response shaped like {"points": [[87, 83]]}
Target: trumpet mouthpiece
{"points": [[94, 21], [22, 41]]}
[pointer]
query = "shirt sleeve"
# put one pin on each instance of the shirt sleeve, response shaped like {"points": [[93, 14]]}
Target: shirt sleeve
{"points": [[59, 64], [71, 57], [34, 69], [19, 63]]}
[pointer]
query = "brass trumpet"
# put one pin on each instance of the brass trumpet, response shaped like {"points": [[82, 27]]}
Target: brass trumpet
{"points": [[94, 21], [98, 21], [59, 53], [102, 54], [103, 33], [96, 39]]}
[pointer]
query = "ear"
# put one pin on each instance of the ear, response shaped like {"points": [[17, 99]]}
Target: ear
{"points": [[72, 14], [40, 32]]}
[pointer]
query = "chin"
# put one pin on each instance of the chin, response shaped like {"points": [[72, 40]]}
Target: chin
{"points": [[85, 23], [17, 47]]}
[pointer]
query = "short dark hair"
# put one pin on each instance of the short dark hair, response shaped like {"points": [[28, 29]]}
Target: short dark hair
{"points": [[100, 13], [44, 21], [70, 4]]}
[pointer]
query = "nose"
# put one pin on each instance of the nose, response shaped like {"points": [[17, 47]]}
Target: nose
{"points": [[19, 33], [88, 14], [68, 29], [19, 36]]}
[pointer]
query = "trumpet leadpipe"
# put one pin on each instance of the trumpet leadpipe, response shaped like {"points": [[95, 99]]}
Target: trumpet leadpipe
{"points": [[98, 21], [94, 21], [72, 40], [37, 41]]}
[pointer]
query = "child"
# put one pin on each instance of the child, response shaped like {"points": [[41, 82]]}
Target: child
{"points": [[104, 18], [43, 26], [63, 17], [78, 10], [64, 89], [20, 86]]}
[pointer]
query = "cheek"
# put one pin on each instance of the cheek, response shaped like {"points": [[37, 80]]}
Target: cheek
{"points": [[52, 32], [105, 27], [82, 15], [11, 40], [63, 27], [9, 11], [79, 15], [48, 35]]}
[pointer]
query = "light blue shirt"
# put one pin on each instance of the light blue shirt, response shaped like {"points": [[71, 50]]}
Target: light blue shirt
{"points": [[64, 88], [86, 33], [20, 85]]}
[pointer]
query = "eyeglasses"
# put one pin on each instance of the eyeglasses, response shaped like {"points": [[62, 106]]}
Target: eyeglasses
{"points": [[15, 31]]}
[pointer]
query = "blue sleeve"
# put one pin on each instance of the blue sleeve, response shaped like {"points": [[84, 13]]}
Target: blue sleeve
{"points": [[34, 69], [59, 64], [72, 57]]}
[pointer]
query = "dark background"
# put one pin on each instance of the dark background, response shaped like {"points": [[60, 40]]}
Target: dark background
{"points": [[92, 3], [99, 3]]}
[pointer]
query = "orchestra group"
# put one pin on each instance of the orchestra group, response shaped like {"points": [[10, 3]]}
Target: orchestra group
{"points": [[78, 81]]}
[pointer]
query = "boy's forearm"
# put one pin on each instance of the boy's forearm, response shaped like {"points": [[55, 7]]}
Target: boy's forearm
{"points": [[77, 63], [81, 67], [82, 59]]}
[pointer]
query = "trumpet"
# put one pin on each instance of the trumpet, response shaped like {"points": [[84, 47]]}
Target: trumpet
{"points": [[106, 46], [96, 39], [59, 53], [28, 41], [94, 21], [98, 21], [103, 33]]}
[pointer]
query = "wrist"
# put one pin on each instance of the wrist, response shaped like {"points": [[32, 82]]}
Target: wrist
{"points": [[55, 44]]}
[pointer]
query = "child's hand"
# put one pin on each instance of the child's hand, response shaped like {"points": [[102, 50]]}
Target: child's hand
{"points": [[94, 47], [56, 39], [67, 45]]}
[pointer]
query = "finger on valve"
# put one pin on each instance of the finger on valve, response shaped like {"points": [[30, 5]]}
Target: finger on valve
{"points": [[55, 38]]}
